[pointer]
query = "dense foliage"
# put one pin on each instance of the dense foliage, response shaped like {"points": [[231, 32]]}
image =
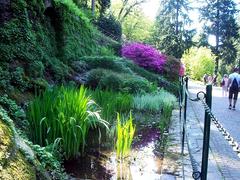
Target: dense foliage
{"points": [[109, 26], [219, 18], [64, 116], [199, 61], [152, 102], [111, 103], [170, 34], [107, 79], [145, 56], [38, 46], [49, 43]]}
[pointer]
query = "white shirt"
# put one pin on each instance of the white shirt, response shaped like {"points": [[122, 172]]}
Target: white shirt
{"points": [[233, 76]]}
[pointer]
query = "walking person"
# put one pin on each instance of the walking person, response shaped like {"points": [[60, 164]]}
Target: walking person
{"points": [[233, 85], [210, 79], [224, 85], [214, 80], [205, 79]]}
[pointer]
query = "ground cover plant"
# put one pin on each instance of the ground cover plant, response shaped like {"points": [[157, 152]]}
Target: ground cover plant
{"points": [[63, 115]]}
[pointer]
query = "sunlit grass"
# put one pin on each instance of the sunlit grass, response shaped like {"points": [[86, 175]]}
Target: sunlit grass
{"points": [[124, 132], [158, 102], [153, 102], [64, 115], [111, 103]]}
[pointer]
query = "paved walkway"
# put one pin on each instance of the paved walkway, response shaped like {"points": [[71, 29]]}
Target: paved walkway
{"points": [[223, 161]]}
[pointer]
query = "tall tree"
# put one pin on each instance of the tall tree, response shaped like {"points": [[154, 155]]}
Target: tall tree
{"points": [[96, 5], [220, 22], [123, 8], [137, 27], [170, 33]]}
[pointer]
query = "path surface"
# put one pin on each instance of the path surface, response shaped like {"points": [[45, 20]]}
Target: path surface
{"points": [[224, 162]]}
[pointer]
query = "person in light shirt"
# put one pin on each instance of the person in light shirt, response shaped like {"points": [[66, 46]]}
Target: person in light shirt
{"points": [[233, 85], [224, 85]]}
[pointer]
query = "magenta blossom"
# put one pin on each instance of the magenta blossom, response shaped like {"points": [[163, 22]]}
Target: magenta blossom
{"points": [[145, 56]]}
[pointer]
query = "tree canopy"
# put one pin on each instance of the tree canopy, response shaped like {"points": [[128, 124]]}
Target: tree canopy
{"points": [[170, 33], [220, 21]]}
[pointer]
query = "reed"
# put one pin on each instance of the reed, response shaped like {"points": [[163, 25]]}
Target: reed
{"points": [[66, 114], [124, 132], [111, 103]]}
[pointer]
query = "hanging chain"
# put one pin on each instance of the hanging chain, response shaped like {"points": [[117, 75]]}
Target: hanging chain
{"points": [[226, 135]]}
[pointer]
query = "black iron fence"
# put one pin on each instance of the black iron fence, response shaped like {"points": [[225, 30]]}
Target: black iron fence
{"points": [[206, 99]]}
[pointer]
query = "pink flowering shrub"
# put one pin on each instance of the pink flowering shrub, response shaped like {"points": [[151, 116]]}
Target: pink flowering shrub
{"points": [[145, 56]]}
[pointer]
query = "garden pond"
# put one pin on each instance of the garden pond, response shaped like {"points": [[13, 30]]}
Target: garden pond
{"points": [[144, 161]]}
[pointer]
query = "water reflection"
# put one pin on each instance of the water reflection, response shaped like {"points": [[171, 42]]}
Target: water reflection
{"points": [[144, 162]]}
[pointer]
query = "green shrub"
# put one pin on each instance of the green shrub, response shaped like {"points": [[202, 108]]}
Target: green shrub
{"points": [[14, 111], [36, 69], [65, 115], [109, 26], [19, 79], [79, 66], [128, 83], [58, 69], [106, 62], [150, 76], [104, 51], [122, 65], [135, 84], [125, 131], [94, 76], [5, 80], [112, 81], [40, 84]]}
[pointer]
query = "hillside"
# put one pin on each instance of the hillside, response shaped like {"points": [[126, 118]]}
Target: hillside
{"points": [[46, 43]]}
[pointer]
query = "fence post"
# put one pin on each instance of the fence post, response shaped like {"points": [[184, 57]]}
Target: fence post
{"points": [[185, 113], [207, 124], [180, 97]]}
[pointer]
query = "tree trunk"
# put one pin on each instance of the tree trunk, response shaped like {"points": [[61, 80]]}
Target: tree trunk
{"points": [[177, 17], [93, 8], [217, 41]]}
